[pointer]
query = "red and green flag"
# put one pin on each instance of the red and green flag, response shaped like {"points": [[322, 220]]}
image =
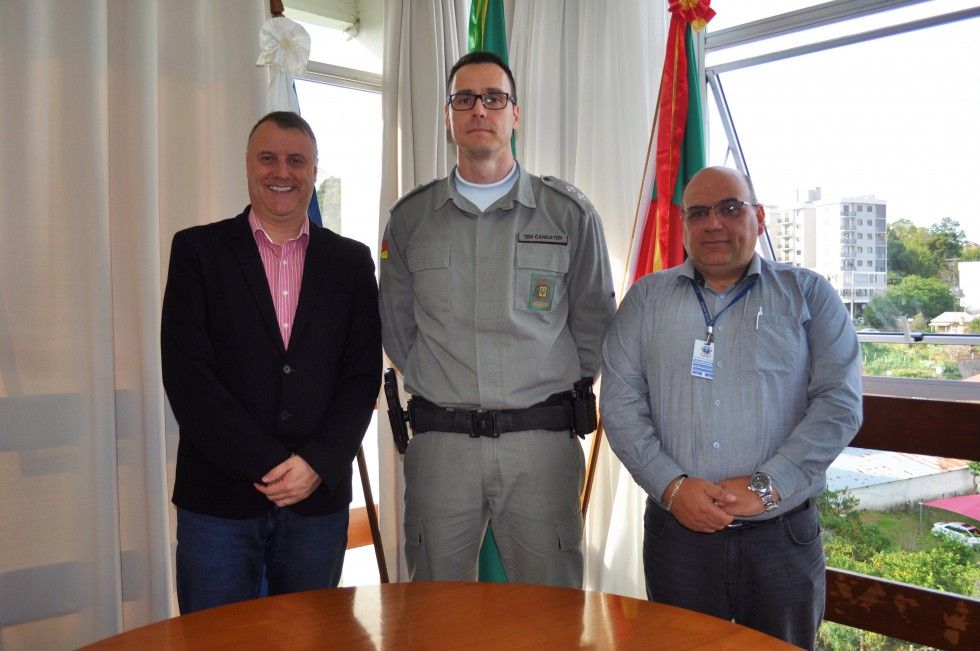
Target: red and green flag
{"points": [[677, 150]]}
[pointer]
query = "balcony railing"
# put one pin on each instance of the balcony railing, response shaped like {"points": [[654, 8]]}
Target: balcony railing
{"points": [[943, 620]]}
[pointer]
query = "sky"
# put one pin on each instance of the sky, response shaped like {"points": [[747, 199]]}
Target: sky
{"points": [[893, 118]]}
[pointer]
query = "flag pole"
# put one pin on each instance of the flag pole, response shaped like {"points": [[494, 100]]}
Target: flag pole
{"points": [[642, 203], [685, 16]]}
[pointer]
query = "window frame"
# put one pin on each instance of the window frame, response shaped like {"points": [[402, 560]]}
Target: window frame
{"points": [[798, 21]]}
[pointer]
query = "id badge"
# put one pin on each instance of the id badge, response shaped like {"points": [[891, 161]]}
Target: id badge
{"points": [[703, 360]]}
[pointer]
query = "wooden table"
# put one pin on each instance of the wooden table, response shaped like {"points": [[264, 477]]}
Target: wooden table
{"points": [[498, 616]]}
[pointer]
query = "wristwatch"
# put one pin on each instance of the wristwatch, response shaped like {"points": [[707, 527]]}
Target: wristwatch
{"points": [[761, 484]]}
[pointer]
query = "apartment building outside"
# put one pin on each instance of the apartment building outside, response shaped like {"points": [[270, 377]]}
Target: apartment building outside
{"points": [[845, 240]]}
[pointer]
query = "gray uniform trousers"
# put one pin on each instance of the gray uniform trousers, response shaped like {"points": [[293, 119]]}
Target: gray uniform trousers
{"points": [[527, 483]]}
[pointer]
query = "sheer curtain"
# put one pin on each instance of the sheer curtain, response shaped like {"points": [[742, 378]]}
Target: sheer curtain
{"points": [[587, 73], [423, 39], [121, 122]]}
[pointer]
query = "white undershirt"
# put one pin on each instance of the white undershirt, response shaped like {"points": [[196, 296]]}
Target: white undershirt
{"points": [[482, 195]]}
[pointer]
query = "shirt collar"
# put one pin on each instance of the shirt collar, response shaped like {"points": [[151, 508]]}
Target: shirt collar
{"points": [[688, 270], [256, 225], [521, 192]]}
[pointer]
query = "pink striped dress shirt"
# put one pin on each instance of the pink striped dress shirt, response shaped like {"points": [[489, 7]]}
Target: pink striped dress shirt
{"points": [[283, 265]]}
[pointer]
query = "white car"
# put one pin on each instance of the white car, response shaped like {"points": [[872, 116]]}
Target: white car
{"points": [[959, 531]]}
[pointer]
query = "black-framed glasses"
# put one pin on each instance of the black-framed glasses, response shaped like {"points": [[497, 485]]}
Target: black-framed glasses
{"points": [[465, 101], [728, 209]]}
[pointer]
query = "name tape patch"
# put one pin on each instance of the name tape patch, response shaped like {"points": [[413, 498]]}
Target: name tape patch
{"points": [[543, 238]]}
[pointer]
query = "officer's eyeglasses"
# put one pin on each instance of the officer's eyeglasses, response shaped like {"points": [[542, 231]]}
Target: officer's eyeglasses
{"points": [[466, 101], [729, 210]]}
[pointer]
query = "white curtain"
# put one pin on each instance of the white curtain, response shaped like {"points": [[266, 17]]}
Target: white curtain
{"points": [[121, 122], [587, 73], [423, 39]]}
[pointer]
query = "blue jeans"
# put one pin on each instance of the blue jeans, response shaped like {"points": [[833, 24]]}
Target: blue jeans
{"points": [[769, 576], [221, 561]]}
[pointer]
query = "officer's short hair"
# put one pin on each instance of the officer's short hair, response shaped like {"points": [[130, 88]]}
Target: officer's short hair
{"points": [[484, 57]]}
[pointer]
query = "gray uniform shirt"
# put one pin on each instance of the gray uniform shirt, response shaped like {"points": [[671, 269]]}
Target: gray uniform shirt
{"points": [[786, 393], [496, 309]]}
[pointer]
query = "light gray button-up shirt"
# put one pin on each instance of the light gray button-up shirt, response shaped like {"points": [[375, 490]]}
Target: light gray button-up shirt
{"points": [[786, 393], [496, 309]]}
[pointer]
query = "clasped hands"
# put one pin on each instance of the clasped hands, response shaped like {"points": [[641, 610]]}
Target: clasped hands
{"points": [[706, 507], [291, 481]]}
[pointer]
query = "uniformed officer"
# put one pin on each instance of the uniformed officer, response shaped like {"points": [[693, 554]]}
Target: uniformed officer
{"points": [[496, 293]]}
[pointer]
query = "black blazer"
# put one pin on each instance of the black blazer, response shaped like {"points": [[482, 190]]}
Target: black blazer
{"points": [[244, 403]]}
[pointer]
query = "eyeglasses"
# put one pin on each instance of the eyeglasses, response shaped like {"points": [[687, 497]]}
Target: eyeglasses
{"points": [[729, 209], [466, 101]]}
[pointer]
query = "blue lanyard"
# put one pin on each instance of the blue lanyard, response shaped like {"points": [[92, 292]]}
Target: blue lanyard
{"points": [[709, 321]]}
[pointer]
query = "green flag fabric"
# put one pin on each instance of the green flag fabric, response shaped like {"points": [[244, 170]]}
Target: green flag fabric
{"points": [[488, 29], [488, 33]]}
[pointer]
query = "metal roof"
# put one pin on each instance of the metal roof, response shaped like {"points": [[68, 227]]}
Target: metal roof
{"points": [[860, 467]]}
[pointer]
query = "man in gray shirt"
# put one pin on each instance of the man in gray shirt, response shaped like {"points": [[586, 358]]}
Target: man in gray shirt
{"points": [[730, 383], [495, 295]]}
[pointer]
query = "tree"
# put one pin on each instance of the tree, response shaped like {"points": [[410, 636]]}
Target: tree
{"points": [[973, 327], [849, 544], [926, 252], [328, 196], [970, 254], [946, 239], [948, 567], [860, 547], [908, 252], [852, 542], [974, 468], [914, 294]]}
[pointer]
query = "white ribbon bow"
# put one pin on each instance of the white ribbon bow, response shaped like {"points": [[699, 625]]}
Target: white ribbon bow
{"points": [[285, 49]]}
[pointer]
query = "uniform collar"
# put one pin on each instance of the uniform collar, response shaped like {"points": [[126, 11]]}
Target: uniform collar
{"points": [[521, 192]]}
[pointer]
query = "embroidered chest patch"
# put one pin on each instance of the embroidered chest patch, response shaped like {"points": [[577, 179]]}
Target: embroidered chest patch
{"points": [[542, 291]]}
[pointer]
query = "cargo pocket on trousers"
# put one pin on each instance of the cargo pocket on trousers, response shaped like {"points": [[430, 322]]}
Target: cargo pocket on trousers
{"points": [[570, 534]]}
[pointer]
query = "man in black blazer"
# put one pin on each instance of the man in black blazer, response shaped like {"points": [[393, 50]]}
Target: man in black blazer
{"points": [[271, 353]]}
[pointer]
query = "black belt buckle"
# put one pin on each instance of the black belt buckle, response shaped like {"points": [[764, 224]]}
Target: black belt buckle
{"points": [[484, 424]]}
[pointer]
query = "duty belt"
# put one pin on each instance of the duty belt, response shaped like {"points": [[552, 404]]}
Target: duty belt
{"points": [[554, 414]]}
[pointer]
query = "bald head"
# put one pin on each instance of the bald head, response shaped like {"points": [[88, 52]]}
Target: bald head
{"points": [[720, 244], [732, 174]]}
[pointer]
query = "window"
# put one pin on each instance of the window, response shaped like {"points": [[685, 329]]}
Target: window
{"points": [[774, 92], [340, 96], [872, 49]]}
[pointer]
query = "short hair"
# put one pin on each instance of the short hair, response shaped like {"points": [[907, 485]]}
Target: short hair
{"points": [[286, 120], [480, 56]]}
